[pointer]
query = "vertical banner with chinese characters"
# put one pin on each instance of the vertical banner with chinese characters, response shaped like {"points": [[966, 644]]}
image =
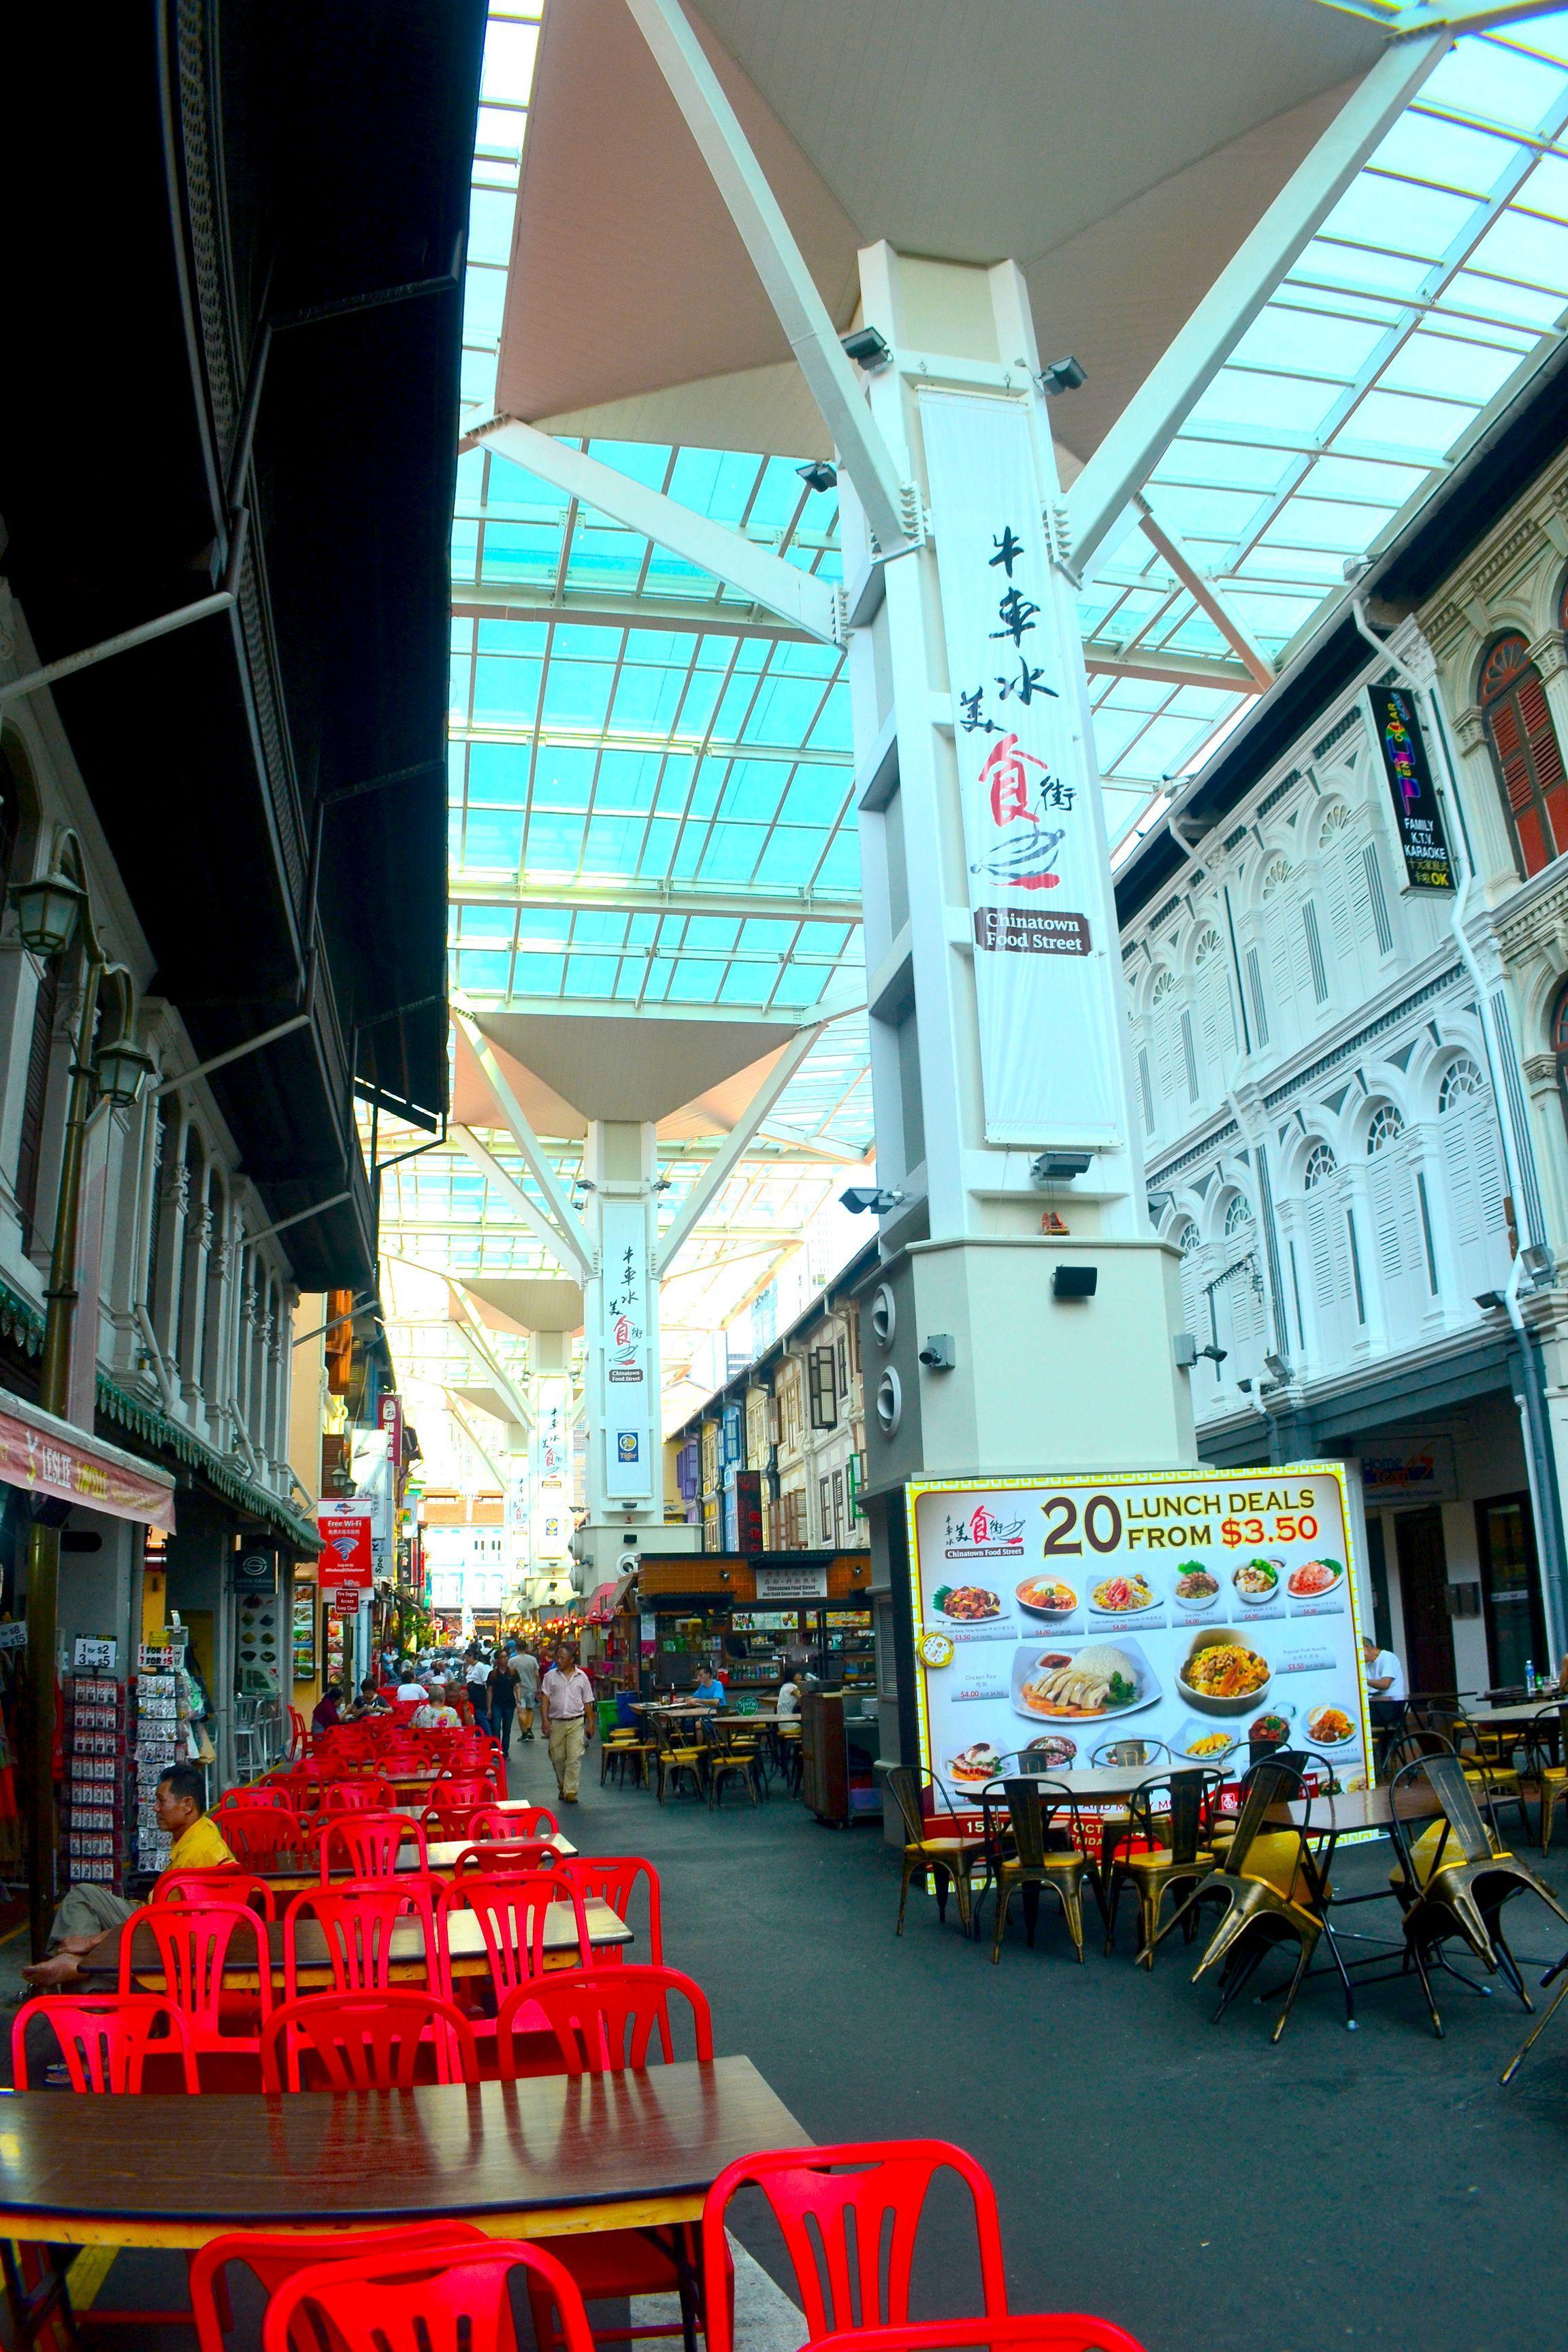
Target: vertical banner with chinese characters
{"points": [[1395, 722], [625, 1355], [1049, 1044], [551, 1480]]}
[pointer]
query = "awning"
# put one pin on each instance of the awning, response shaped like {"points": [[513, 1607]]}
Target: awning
{"points": [[44, 1455], [601, 1606]]}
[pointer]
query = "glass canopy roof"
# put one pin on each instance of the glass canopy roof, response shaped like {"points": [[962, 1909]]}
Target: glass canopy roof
{"points": [[651, 783]]}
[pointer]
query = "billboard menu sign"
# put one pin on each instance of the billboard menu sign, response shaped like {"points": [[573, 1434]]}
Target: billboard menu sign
{"points": [[1207, 1612], [1395, 722], [1039, 892]]}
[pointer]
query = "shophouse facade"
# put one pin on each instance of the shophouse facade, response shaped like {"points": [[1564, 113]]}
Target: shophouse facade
{"points": [[1351, 1089], [775, 1460]]}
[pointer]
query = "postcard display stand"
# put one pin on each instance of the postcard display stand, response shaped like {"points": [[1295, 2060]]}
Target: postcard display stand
{"points": [[1055, 1617], [97, 1779], [163, 1737]]}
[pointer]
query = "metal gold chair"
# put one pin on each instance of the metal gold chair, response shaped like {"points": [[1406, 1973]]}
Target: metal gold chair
{"points": [[1453, 1879], [951, 1859], [1020, 1859], [1173, 1814]]}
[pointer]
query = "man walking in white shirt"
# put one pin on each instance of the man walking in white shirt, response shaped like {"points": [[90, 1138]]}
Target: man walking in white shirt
{"points": [[566, 1697], [525, 1675]]}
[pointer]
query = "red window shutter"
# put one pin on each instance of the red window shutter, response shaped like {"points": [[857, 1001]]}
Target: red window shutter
{"points": [[1552, 783]]}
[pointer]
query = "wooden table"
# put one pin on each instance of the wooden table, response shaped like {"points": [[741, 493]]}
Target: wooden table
{"points": [[465, 1947], [541, 2158]]}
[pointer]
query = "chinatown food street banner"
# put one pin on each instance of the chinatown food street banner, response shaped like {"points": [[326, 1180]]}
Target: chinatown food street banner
{"points": [[1395, 722], [1050, 1045], [626, 1357], [1209, 1612], [347, 1554], [41, 1454], [550, 1536]]}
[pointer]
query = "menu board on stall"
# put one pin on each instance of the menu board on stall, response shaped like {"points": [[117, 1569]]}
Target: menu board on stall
{"points": [[1198, 1610]]}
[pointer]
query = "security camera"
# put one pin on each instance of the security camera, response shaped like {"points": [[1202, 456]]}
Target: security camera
{"points": [[938, 1355], [867, 349], [1063, 375]]}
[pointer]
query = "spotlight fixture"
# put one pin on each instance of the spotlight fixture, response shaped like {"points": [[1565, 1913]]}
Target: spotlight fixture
{"points": [[869, 1196], [1489, 1300], [819, 475], [1278, 1368], [1059, 1167], [867, 349], [1063, 375]]}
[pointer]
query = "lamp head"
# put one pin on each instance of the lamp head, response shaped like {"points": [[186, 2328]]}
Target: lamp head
{"points": [[819, 475], [47, 912], [120, 1069], [1063, 375]]}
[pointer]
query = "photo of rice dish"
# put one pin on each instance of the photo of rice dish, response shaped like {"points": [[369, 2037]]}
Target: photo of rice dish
{"points": [[1225, 1670], [1330, 1727], [976, 1764], [1100, 1680], [1047, 1596], [1314, 1577]]}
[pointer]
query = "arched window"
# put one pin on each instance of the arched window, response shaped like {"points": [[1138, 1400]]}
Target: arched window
{"points": [[1237, 1219], [1384, 1128], [1524, 749], [1473, 1175], [1320, 1166], [1186, 1238]]}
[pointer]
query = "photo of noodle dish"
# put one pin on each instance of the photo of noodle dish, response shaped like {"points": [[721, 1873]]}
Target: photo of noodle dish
{"points": [[1047, 1596], [1258, 1580], [966, 1604], [1103, 1678], [1222, 1675], [1124, 1596], [1197, 1587], [1314, 1578]]}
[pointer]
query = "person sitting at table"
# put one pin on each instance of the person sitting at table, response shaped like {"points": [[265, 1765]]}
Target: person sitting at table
{"points": [[410, 1687], [1384, 1673], [709, 1690], [89, 1915], [326, 1714], [433, 1714], [369, 1701], [789, 1696]]}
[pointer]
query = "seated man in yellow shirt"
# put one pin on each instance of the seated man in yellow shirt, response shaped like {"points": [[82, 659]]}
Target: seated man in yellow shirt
{"points": [[90, 1915]]}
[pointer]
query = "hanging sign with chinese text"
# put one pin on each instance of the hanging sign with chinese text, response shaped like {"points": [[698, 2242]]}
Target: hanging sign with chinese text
{"points": [[551, 1482], [1395, 722], [1050, 1054], [626, 1354]]}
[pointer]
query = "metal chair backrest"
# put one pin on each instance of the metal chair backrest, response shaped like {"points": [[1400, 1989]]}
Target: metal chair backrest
{"points": [[1269, 1785], [905, 1784], [1411, 1747], [357, 1926], [409, 2302], [1454, 1794], [603, 2020], [365, 2042], [613, 1878], [1189, 1796], [1126, 1755], [106, 2039], [850, 2233], [1027, 1822]]}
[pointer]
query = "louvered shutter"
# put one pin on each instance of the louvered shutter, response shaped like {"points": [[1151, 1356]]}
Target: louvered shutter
{"points": [[1397, 1244], [1327, 1253]]}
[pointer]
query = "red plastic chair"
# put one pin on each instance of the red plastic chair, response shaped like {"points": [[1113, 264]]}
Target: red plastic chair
{"points": [[371, 1794], [502, 1856], [192, 1942], [512, 1914], [613, 1879], [452, 1793], [603, 2018], [250, 1795], [357, 1925], [833, 2222], [1029, 2331], [223, 1884], [369, 1844], [526, 1821], [106, 2039], [275, 2258], [260, 1837], [382, 2303], [366, 2041]]}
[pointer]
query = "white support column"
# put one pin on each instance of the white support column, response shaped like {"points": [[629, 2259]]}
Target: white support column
{"points": [[708, 1188], [797, 596], [625, 1471], [1133, 448], [789, 286]]}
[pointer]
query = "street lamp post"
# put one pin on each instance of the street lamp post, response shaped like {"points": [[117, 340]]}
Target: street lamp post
{"points": [[50, 913]]}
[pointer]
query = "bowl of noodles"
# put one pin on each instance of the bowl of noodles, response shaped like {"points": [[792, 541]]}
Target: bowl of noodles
{"points": [[1222, 1675]]}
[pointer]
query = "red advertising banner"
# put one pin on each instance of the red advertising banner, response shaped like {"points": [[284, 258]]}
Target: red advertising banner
{"points": [[44, 1455], [345, 1532]]}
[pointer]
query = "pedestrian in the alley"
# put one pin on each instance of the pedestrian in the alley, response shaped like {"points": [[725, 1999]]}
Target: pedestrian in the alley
{"points": [[566, 1699]]}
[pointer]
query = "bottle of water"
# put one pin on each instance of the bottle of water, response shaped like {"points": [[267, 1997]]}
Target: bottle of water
{"points": [[1529, 1678]]}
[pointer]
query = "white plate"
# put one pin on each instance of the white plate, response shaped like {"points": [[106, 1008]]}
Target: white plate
{"points": [[1026, 1662], [1193, 1608], [1332, 1747], [1183, 1743], [1119, 1616]]}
